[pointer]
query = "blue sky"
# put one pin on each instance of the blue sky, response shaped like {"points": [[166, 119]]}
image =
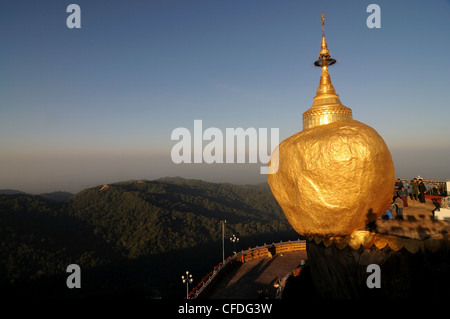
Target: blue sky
{"points": [[82, 107]]}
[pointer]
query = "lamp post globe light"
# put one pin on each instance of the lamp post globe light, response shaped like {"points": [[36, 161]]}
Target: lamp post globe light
{"points": [[234, 240], [187, 280]]}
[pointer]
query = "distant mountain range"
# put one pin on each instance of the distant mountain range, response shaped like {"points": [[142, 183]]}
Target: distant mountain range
{"points": [[11, 191], [58, 196], [129, 238]]}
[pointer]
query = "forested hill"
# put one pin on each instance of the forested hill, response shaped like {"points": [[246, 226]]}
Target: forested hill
{"points": [[141, 218], [138, 233]]}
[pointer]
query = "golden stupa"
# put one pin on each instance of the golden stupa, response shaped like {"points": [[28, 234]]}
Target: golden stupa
{"points": [[337, 174], [327, 107]]}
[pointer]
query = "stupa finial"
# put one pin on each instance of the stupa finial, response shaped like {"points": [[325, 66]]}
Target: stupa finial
{"points": [[327, 107], [323, 24], [324, 52]]}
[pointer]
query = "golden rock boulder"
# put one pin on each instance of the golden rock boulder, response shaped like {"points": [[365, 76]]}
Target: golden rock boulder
{"points": [[333, 179]]}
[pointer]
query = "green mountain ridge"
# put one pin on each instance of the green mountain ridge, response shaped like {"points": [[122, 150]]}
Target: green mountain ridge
{"points": [[139, 232]]}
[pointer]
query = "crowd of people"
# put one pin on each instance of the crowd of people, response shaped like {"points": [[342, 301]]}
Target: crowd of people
{"points": [[401, 194], [418, 190]]}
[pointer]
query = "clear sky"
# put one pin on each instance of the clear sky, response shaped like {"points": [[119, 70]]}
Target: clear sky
{"points": [[83, 107]]}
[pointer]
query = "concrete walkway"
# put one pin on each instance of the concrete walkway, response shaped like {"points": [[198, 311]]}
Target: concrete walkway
{"points": [[244, 281]]}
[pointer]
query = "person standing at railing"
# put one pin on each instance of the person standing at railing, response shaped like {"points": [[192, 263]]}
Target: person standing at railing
{"points": [[271, 251], [422, 191]]}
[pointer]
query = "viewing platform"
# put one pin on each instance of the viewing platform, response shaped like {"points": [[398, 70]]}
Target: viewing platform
{"points": [[251, 274]]}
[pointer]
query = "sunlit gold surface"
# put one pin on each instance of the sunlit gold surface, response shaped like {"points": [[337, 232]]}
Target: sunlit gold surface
{"points": [[333, 179], [327, 107], [323, 48], [368, 239]]}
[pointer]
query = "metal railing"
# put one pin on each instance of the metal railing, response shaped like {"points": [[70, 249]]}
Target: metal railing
{"points": [[257, 252]]}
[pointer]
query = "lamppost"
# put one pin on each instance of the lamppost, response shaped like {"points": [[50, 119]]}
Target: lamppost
{"points": [[234, 240], [223, 240], [187, 280]]}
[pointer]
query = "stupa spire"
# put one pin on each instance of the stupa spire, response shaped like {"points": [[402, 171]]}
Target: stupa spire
{"points": [[324, 49], [327, 107]]}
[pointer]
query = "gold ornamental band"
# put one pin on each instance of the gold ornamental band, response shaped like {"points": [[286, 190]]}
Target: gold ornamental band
{"points": [[367, 239], [320, 112]]}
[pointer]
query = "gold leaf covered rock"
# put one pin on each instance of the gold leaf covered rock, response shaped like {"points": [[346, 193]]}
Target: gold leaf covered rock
{"points": [[333, 179]]}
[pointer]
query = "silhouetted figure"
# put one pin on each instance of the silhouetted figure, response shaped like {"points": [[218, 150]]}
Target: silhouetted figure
{"points": [[422, 191], [399, 205], [272, 251], [371, 226]]}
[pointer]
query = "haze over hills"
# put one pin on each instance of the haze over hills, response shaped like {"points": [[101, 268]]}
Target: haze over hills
{"points": [[58, 196], [130, 238], [11, 191]]}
